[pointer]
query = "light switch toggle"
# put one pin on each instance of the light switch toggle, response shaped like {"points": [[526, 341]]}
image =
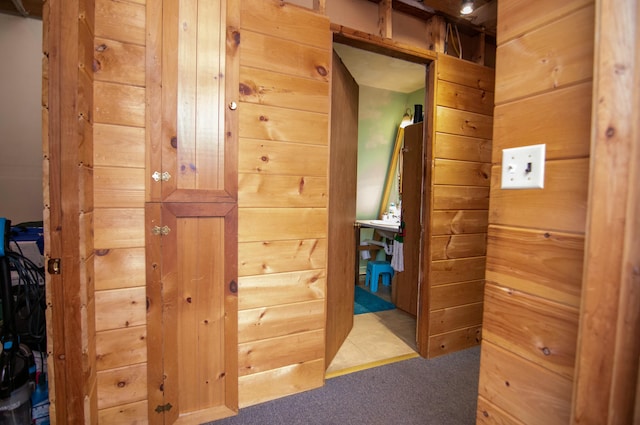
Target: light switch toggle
{"points": [[523, 167]]}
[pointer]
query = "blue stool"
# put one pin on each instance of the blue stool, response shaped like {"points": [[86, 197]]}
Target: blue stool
{"points": [[375, 269]]}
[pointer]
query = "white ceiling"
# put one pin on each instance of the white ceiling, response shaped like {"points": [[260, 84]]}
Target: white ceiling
{"points": [[382, 72]]}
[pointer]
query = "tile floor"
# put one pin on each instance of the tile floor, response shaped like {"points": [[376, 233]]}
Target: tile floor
{"points": [[376, 338]]}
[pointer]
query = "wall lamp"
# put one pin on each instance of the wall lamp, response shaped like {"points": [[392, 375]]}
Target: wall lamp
{"points": [[406, 118]]}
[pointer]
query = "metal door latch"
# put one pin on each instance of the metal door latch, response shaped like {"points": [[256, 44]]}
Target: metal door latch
{"points": [[53, 266]]}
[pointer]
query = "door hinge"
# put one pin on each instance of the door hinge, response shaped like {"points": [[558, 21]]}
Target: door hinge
{"points": [[160, 231], [53, 266], [157, 176], [164, 408]]}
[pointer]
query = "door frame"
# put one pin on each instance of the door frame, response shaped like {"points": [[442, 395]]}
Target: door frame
{"points": [[387, 47]]}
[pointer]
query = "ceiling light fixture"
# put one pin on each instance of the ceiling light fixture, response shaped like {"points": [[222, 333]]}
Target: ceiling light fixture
{"points": [[467, 7]]}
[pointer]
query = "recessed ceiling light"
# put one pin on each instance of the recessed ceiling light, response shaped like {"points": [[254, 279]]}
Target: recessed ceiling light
{"points": [[467, 7]]}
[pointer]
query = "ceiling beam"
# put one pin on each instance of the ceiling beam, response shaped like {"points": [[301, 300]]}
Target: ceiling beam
{"points": [[32, 7], [425, 9]]}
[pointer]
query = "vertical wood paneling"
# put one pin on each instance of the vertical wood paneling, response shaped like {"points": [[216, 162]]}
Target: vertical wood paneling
{"points": [[607, 388], [536, 237], [192, 70], [68, 193]]}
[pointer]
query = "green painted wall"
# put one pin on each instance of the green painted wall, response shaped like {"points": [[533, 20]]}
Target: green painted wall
{"points": [[380, 113], [379, 116]]}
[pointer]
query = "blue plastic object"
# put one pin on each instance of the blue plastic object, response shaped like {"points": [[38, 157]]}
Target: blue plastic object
{"points": [[3, 226], [375, 269]]}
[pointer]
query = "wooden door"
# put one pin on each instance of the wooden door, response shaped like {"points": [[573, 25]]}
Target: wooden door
{"points": [[192, 217], [405, 288], [343, 162]]}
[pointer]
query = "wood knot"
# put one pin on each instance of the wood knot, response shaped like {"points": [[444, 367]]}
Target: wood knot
{"points": [[101, 48], [263, 118], [96, 65], [236, 37], [620, 68], [174, 142], [547, 235], [546, 351], [245, 90], [122, 384], [189, 300], [101, 252], [322, 70], [610, 132], [264, 158]]}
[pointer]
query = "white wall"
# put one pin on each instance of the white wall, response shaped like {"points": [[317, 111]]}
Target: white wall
{"points": [[20, 118]]}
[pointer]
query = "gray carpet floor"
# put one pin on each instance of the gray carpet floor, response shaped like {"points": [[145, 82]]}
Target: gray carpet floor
{"points": [[441, 391]]}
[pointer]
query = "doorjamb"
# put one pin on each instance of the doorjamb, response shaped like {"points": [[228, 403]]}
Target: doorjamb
{"points": [[387, 47]]}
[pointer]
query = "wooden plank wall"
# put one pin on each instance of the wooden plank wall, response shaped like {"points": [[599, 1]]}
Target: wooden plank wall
{"points": [[536, 237], [460, 170], [285, 60], [117, 58], [69, 207], [606, 389]]}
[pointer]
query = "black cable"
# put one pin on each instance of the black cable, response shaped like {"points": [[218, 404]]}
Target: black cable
{"points": [[30, 302]]}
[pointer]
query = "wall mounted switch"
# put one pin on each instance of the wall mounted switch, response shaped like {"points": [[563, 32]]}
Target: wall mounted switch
{"points": [[523, 167]]}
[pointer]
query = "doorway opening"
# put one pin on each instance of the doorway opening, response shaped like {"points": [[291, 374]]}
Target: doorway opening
{"points": [[388, 89]]}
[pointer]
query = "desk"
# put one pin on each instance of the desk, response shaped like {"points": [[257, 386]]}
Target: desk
{"points": [[385, 228]]}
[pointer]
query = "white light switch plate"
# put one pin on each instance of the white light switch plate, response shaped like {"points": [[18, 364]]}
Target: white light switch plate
{"points": [[523, 167]]}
